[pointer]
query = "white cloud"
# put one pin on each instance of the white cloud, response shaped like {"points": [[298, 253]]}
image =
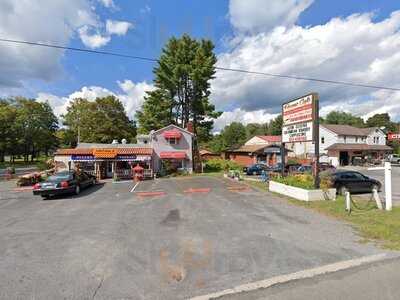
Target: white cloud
{"points": [[51, 21], [241, 116], [93, 40], [262, 15], [353, 49], [132, 96], [117, 27], [55, 22], [108, 3]]}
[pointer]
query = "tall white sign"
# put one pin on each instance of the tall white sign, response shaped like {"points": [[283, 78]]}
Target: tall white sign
{"points": [[298, 119]]}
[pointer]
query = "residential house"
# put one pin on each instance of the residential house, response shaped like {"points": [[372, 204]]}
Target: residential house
{"points": [[341, 144]]}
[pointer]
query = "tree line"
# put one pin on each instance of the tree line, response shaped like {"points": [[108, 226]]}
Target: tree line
{"points": [[29, 128]]}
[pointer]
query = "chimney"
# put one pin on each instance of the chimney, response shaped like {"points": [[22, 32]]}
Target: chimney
{"points": [[189, 127]]}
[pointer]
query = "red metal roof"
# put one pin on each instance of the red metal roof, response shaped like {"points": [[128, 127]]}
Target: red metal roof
{"points": [[120, 151], [271, 138], [174, 133], [173, 155]]}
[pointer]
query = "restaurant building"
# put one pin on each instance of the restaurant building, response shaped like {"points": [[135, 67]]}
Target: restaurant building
{"points": [[259, 149], [170, 146]]}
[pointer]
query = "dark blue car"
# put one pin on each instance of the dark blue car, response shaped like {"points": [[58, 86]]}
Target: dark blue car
{"points": [[256, 169]]}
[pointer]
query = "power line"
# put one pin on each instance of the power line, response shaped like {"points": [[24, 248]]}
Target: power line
{"points": [[312, 79], [218, 68], [79, 49]]}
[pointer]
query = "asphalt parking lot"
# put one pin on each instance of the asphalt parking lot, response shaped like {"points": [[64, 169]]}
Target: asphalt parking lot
{"points": [[169, 239]]}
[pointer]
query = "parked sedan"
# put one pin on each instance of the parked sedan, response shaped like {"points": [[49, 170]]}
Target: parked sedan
{"points": [[256, 169], [323, 166], [65, 182], [354, 182], [305, 169]]}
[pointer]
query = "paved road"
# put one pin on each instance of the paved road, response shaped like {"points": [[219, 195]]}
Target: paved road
{"points": [[379, 175], [370, 282], [109, 243]]}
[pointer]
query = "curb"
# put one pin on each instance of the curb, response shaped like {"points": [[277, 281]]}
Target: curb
{"points": [[308, 273]]}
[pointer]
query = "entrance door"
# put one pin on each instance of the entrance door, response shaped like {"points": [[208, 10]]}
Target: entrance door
{"points": [[344, 158], [109, 169]]}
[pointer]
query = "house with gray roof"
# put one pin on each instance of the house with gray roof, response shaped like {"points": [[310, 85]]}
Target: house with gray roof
{"points": [[343, 144]]}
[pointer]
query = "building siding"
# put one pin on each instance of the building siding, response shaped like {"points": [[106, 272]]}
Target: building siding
{"points": [[160, 144]]}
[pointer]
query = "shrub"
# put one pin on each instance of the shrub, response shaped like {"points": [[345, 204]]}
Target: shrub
{"points": [[304, 181], [218, 164], [292, 161]]}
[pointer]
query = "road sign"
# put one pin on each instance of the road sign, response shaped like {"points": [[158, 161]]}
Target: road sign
{"points": [[394, 136], [298, 119], [301, 124]]}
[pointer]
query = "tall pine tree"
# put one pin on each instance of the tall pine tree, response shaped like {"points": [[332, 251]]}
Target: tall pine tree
{"points": [[182, 80]]}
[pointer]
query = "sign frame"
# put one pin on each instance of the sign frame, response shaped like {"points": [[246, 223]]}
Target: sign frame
{"points": [[314, 120], [314, 116]]}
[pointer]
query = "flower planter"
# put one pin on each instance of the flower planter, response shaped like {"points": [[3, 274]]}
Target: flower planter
{"points": [[302, 194]]}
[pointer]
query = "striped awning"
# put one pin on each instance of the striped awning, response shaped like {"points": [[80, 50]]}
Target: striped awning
{"points": [[173, 155], [170, 134]]}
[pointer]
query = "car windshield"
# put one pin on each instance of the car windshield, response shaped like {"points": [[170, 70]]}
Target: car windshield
{"points": [[60, 176]]}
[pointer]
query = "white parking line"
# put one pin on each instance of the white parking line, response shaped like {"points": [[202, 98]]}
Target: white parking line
{"points": [[137, 183], [309, 273]]}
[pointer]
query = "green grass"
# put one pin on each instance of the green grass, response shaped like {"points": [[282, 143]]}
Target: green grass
{"points": [[40, 163], [372, 224]]}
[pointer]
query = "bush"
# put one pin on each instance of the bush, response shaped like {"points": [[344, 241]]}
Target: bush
{"points": [[218, 164], [292, 161], [304, 181]]}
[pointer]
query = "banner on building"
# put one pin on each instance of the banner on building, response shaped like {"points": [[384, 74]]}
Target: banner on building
{"points": [[299, 119]]}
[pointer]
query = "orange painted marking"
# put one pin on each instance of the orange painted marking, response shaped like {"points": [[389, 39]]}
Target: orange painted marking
{"points": [[150, 194], [238, 188], [23, 189], [199, 190]]}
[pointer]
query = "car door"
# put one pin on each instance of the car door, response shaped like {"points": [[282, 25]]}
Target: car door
{"points": [[83, 180], [364, 184], [349, 180]]}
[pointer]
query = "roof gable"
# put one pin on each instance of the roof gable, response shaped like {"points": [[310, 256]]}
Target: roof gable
{"points": [[172, 126]]}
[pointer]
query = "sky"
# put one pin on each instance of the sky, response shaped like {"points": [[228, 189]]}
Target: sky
{"points": [[354, 41]]}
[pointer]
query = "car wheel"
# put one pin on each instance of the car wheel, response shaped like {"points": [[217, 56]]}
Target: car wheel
{"points": [[77, 190], [342, 190]]}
